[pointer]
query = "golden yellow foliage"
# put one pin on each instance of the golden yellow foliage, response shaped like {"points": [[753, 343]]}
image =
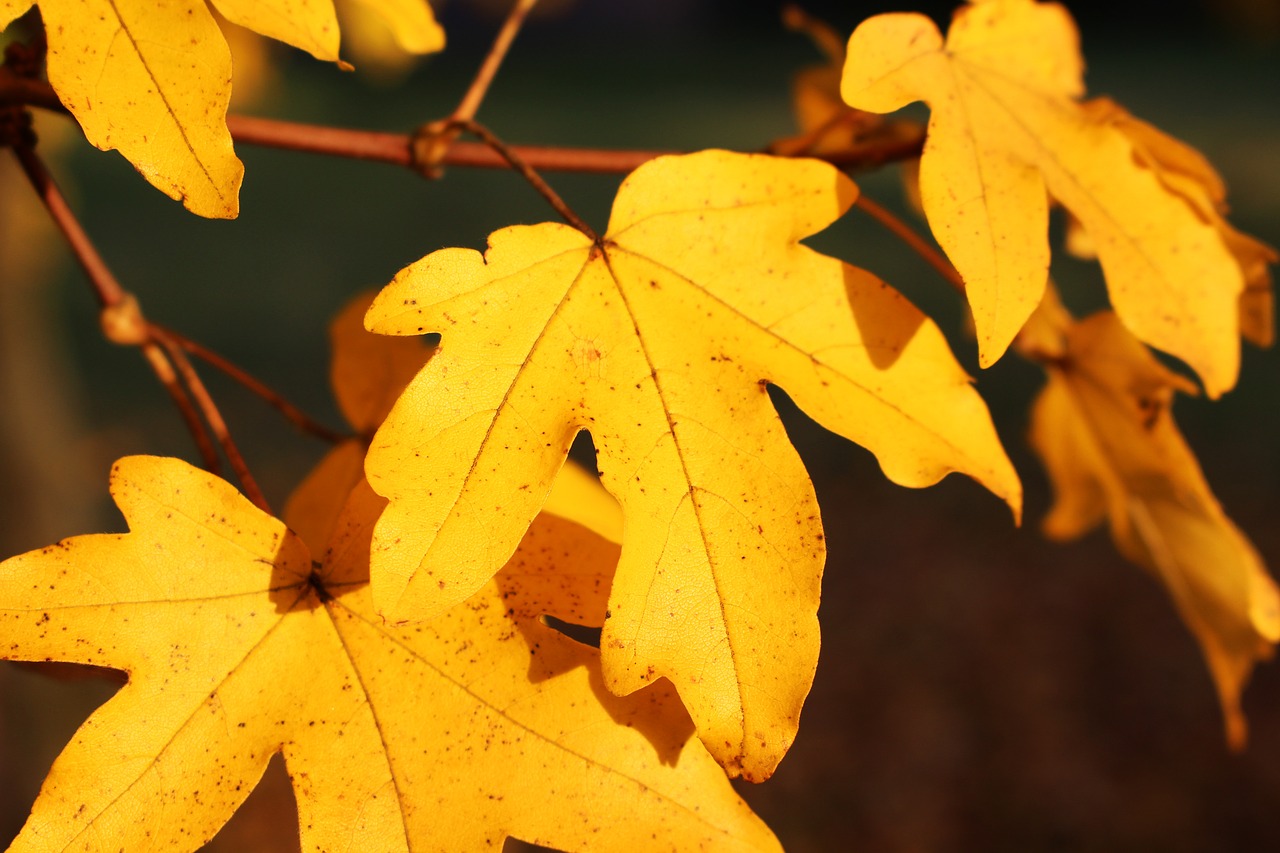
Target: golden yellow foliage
{"points": [[153, 79], [548, 334], [451, 736], [1185, 171], [1104, 429], [1007, 133]]}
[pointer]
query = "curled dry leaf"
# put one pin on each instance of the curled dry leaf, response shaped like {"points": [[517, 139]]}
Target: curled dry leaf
{"points": [[449, 736], [153, 79], [1006, 132], [1104, 429], [661, 340]]}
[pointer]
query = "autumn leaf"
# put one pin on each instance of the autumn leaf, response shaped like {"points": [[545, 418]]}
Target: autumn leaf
{"points": [[661, 340], [368, 372], [153, 79], [1007, 132], [385, 35], [827, 124], [1104, 429], [448, 736], [1184, 170]]}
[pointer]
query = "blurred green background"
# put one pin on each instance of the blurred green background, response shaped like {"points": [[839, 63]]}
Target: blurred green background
{"points": [[980, 688]]}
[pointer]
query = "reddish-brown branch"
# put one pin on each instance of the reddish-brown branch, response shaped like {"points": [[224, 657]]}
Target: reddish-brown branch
{"points": [[917, 243], [123, 323], [212, 416], [16, 90], [443, 134], [163, 369], [105, 286], [899, 141], [292, 413], [397, 148]]}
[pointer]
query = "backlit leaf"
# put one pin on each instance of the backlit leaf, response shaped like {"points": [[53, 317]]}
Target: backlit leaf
{"points": [[1006, 133], [446, 737], [412, 23], [1103, 427], [152, 78], [661, 341], [1185, 171]]}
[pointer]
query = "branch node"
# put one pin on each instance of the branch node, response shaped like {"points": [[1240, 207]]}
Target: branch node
{"points": [[123, 323], [428, 146]]}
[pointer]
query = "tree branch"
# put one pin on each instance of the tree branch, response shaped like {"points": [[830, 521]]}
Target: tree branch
{"points": [[292, 413], [105, 286], [123, 323], [212, 416], [898, 141], [444, 133]]}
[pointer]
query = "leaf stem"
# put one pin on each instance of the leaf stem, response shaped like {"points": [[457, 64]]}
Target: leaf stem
{"points": [[292, 413], [122, 323], [163, 369], [212, 416], [535, 180], [443, 135], [907, 234]]}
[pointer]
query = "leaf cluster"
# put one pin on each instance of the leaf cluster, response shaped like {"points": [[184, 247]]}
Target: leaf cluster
{"points": [[391, 634]]}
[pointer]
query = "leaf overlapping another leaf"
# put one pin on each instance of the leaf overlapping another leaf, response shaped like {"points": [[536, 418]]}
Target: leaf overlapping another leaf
{"points": [[1105, 432], [152, 78], [660, 340], [1006, 132], [443, 737]]}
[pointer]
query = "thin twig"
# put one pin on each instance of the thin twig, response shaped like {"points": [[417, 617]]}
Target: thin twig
{"points": [[292, 413], [448, 130], [470, 103], [115, 302], [535, 180], [105, 286], [917, 243], [212, 416], [163, 369]]}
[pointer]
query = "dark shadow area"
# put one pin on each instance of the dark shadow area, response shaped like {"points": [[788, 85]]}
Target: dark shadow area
{"points": [[584, 634]]}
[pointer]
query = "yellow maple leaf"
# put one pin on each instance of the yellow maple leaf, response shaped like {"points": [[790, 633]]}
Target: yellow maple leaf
{"points": [[153, 79], [368, 372], [1185, 171], [447, 737], [1104, 429], [660, 340], [1005, 133]]}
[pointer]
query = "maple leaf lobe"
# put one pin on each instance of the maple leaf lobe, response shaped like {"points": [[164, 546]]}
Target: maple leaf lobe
{"points": [[433, 738], [548, 334], [1006, 133]]}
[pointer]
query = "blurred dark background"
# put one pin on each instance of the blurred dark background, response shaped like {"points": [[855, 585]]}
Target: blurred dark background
{"points": [[980, 688]]}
